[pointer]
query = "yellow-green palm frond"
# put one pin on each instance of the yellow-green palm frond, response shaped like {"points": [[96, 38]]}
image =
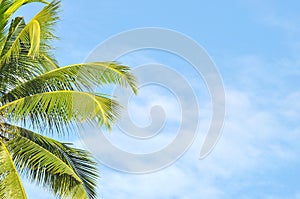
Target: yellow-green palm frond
{"points": [[8, 8], [10, 182], [34, 36], [25, 50], [58, 110], [66, 171], [74, 77]]}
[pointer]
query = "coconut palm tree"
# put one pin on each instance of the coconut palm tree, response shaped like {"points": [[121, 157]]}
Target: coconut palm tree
{"points": [[40, 99]]}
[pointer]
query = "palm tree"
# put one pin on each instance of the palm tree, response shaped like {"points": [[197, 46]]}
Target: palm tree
{"points": [[38, 98]]}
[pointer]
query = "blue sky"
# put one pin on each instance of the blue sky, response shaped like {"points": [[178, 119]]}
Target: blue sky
{"points": [[256, 48]]}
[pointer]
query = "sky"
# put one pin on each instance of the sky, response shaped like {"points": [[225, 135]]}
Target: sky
{"points": [[255, 46]]}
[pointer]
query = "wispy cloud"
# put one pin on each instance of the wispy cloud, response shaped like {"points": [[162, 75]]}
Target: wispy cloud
{"points": [[252, 144]]}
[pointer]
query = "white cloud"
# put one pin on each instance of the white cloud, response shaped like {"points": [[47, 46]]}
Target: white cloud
{"points": [[251, 144]]}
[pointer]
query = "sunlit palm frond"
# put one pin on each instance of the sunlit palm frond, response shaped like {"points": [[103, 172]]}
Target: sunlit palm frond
{"points": [[8, 8], [35, 35], [57, 110], [75, 77], [66, 171], [10, 182], [47, 60], [25, 52]]}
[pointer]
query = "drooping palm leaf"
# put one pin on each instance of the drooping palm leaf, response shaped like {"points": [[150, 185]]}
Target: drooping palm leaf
{"points": [[10, 182], [79, 160], [48, 163]]}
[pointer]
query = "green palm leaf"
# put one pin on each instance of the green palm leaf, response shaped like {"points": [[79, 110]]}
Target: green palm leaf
{"points": [[10, 182], [75, 77], [8, 8], [58, 109], [66, 171], [35, 34], [25, 50]]}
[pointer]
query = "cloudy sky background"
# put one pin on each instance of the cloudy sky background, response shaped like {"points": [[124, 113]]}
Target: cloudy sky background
{"points": [[255, 45]]}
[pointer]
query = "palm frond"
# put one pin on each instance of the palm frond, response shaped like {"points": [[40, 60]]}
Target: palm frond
{"points": [[35, 35], [79, 160], [28, 146], [75, 77], [10, 182], [25, 53], [48, 61], [35, 38], [17, 24], [58, 110], [8, 8], [18, 71]]}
